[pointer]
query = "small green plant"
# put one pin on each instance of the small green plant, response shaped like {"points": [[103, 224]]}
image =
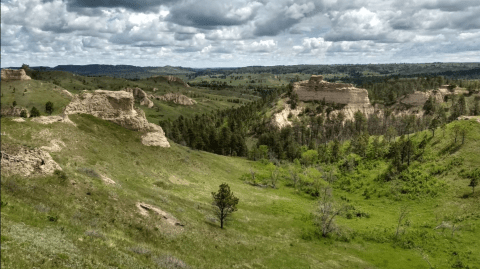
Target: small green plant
{"points": [[61, 175], [14, 104], [23, 113], [52, 218]]}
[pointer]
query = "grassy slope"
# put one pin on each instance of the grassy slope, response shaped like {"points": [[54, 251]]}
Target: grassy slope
{"points": [[266, 229], [207, 100], [38, 94], [99, 226]]}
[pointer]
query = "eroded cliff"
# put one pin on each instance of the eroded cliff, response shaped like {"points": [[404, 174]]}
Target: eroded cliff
{"points": [[118, 107]]}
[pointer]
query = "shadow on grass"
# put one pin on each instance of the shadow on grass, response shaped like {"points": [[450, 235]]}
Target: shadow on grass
{"points": [[450, 149]]}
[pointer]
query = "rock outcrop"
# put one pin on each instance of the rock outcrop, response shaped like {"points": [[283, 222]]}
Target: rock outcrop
{"points": [[419, 98], [140, 96], [177, 98], [171, 79], [10, 74], [281, 119], [316, 89], [27, 162], [52, 119], [117, 107], [14, 111]]}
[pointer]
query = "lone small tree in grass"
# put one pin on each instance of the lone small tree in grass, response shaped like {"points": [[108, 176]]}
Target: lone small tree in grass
{"points": [[34, 112], [224, 202], [474, 177], [49, 107]]}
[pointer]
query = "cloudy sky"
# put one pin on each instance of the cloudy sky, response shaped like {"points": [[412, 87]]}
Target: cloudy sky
{"points": [[220, 33]]}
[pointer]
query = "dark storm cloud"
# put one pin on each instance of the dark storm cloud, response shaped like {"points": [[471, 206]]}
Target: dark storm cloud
{"points": [[210, 14], [279, 17], [450, 5], [183, 36], [137, 5]]}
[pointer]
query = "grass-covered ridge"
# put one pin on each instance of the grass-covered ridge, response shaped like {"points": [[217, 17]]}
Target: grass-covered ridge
{"points": [[83, 222]]}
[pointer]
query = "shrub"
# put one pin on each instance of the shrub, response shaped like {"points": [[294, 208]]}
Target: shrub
{"points": [[52, 218], [34, 112], [89, 172], [49, 107], [62, 176], [14, 103], [23, 113], [170, 262]]}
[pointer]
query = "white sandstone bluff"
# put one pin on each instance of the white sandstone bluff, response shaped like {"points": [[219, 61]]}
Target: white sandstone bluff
{"points": [[354, 99], [9, 74], [141, 96], [316, 89], [118, 107], [177, 98]]}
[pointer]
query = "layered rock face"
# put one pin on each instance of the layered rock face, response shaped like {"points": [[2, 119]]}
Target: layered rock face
{"points": [[316, 89], [177, 98], [339, 93], [141, 96], [117, 107], [419, 98], [9, 74]]}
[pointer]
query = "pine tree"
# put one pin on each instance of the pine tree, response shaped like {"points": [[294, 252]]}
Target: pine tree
{"points": [[224, 202]]}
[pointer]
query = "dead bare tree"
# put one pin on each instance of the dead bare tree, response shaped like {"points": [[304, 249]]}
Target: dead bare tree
{"points": [[326, 212], [402, 219], [274, 177]]}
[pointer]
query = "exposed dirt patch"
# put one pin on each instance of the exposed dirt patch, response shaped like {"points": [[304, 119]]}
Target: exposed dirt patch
{"points": [[477, 118], [18, 119], [155, 139], [18, 160], [146, 209], [281, 119], [107, 180], [52, 119], [55, 146]]}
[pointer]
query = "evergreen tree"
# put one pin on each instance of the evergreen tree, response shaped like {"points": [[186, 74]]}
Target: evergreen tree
{"points": [[224, 202], [49, 108]]}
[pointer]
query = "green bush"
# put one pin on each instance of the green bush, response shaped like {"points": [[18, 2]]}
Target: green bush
{"points": [[62, 176], [49, 107], [34, 112]]}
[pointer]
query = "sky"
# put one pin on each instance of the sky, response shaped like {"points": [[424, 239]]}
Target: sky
{"points": [[236, 33]]}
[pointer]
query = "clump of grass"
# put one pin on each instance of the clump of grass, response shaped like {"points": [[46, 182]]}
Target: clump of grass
{"points": [[140, 250], [42, 208], [61, 175], [94, 234], [89, 172], [170, 262]]}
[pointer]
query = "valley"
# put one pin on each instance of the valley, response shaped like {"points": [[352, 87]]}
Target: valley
{"points": [[81, 187]]}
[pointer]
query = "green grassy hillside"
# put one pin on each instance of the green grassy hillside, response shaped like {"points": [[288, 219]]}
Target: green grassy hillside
{"points": [[83, 222], [46, 86]]}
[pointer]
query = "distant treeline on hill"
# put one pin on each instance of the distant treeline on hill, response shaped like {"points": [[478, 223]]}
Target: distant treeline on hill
{"points": [[353, 73], [119, 71]]}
